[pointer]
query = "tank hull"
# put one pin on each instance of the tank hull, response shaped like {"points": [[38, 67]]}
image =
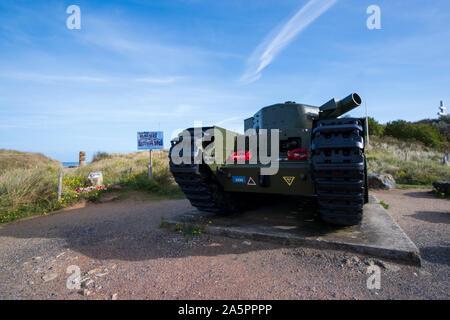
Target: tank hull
{"points": [[309, 152]]}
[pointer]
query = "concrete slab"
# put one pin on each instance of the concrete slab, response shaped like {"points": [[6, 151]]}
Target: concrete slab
{"points": [[288, 223]]}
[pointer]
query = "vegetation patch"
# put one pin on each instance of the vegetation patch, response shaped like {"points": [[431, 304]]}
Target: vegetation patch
{"points": [[413, 186], [26, 191], [190, 226], [384, 205], [100, 155], [11, 160], [409, 162], [431, 133], [428, 135]]}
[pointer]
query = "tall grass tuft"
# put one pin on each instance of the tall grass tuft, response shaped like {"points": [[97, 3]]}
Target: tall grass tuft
{"points": [[21, 187], [408, 162]]}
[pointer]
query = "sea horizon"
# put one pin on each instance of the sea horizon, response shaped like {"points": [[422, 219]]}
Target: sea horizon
{"points": [[67, 164]]}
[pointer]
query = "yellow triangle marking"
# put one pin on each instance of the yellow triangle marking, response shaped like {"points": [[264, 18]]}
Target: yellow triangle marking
{"points": [[289, 180]]}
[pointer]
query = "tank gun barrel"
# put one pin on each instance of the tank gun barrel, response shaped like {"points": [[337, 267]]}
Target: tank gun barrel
{"points": [[336, 108]]}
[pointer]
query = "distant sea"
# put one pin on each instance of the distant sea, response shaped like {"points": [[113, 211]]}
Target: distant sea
{"points": [[69, 164]]}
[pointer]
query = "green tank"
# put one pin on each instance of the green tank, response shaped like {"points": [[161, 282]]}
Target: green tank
{"points": [[287, 149]]}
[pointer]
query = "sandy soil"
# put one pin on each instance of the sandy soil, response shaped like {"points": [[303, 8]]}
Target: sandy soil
{"points": [[122, 253]]}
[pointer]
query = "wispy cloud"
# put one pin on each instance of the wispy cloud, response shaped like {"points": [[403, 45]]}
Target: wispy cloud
{"points": [[158, 80], [26, 76], [277, 41], [228, 120], [41, 77]]}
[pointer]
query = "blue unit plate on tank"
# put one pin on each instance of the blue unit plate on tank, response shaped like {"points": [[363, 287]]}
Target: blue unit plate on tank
{"points": [[238, 179]]}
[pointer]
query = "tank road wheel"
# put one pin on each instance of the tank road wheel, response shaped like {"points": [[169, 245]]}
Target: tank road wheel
{"points": [[339, 170], [204, 192]]}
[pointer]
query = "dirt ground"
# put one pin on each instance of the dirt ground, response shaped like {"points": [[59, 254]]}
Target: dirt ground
{"points": [[122, 253]]}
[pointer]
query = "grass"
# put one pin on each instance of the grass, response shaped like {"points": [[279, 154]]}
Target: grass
{"points": [[11, 159], [412, 186], [384, 204], [190, 226], [410, 163], [130, 170], [32, 190]]}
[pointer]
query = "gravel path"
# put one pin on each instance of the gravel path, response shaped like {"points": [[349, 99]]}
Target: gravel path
{"points": [[122, 253]]}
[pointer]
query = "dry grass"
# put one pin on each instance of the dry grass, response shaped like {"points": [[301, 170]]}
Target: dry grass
{"points": [[10, 159], [25, 187], [117, 168], [27, 183], [410, 163]]}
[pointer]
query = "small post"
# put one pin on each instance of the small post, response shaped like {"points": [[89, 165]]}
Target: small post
{"points": [[59, 185], [150, 167]]}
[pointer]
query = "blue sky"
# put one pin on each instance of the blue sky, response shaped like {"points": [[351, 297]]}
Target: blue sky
{"points": [[148, 65]]}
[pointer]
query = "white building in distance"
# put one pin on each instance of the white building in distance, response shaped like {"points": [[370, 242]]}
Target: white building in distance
{"points": [[442, 110]]}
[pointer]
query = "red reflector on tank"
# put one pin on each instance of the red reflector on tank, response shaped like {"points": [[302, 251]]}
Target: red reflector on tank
{"points": [[241, 156], [298, 154]]}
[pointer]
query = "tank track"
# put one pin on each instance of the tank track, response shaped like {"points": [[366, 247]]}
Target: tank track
{"points": [[339, 170], [201, 188]]}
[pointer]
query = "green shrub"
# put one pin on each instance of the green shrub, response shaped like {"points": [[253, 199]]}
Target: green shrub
{"points": [[428, 135], [100, 155], [73, 182], [375, 129], [139, 181]]}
